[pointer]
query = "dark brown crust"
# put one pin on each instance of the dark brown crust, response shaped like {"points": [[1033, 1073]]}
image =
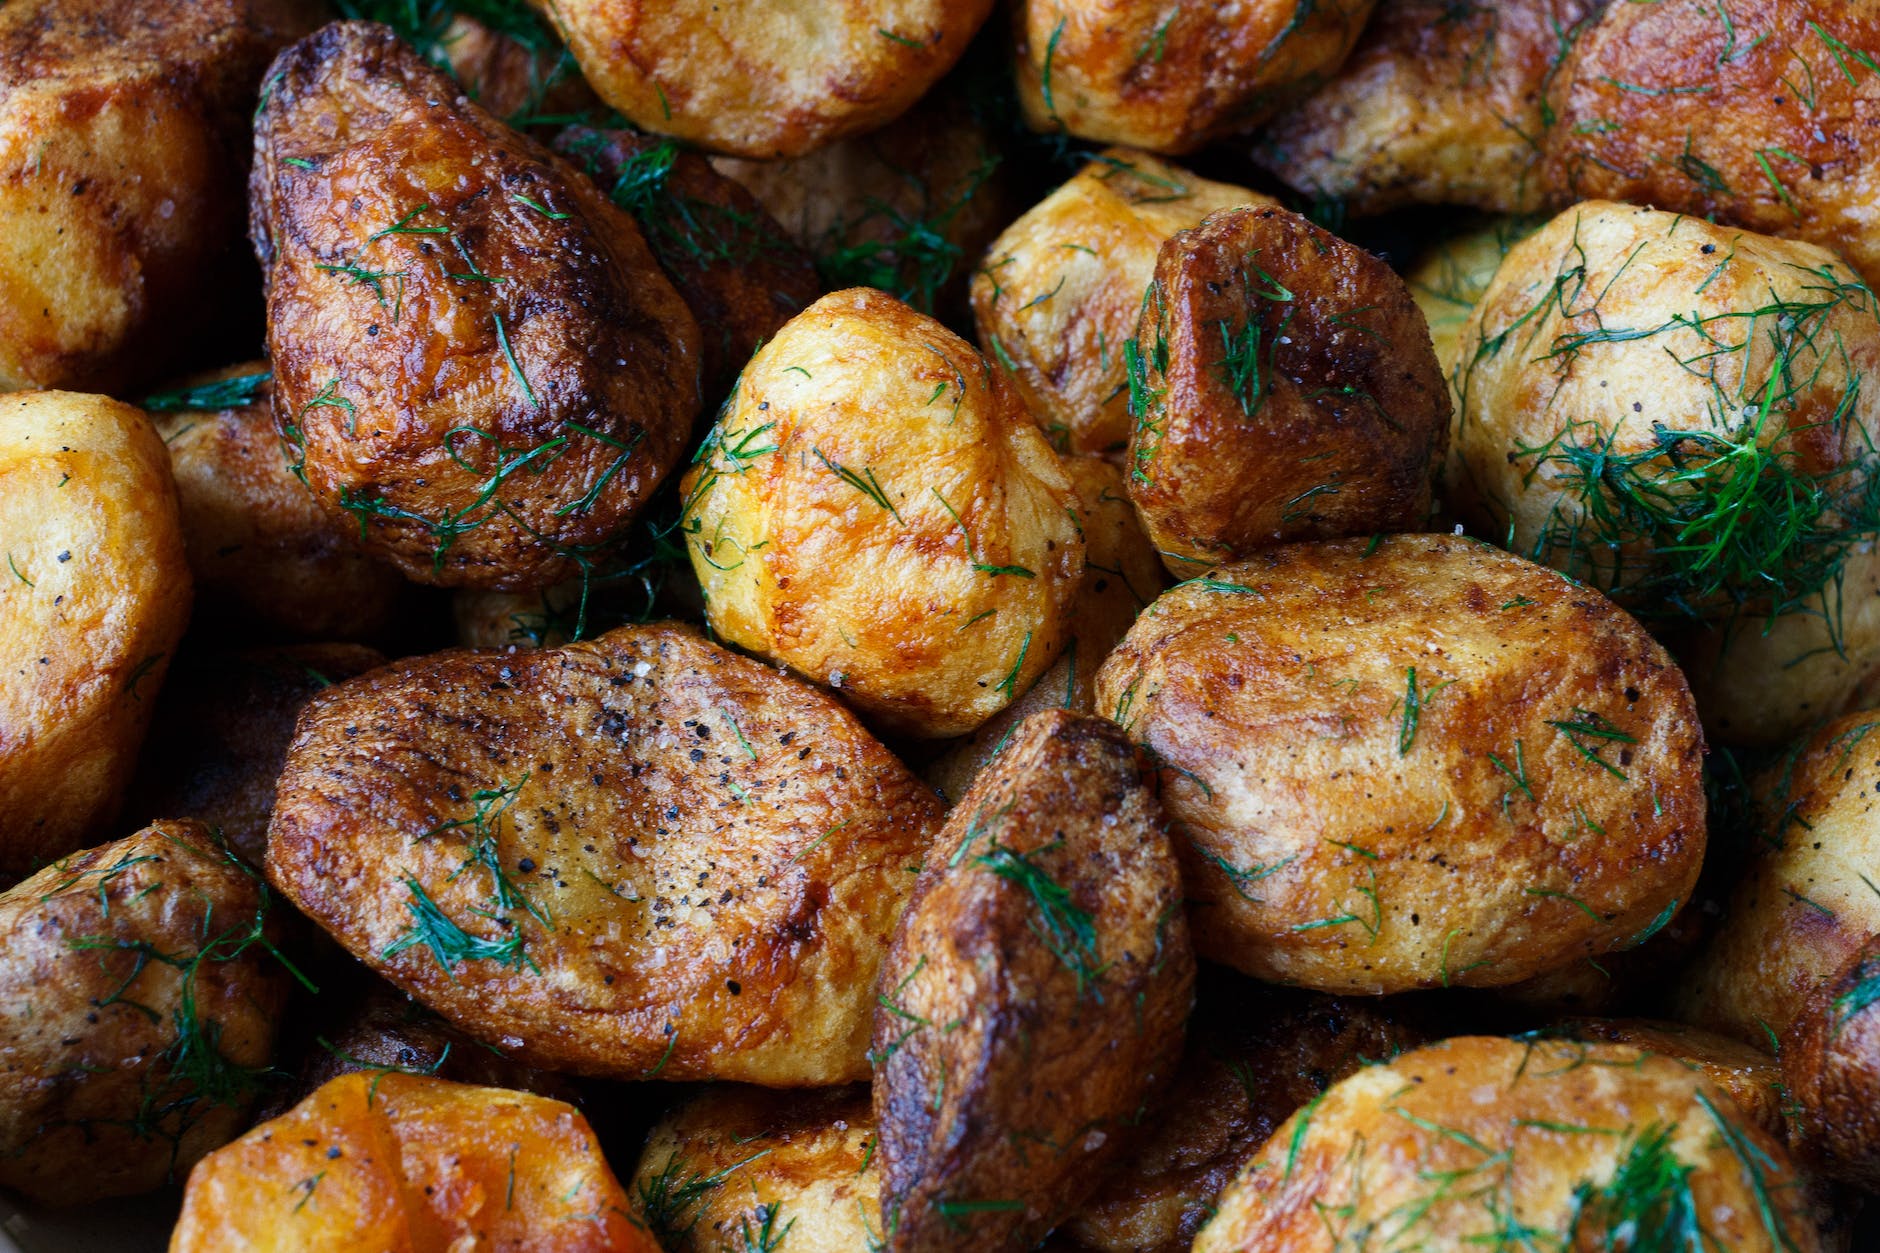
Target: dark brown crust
{"points": [[1831, 1067]]}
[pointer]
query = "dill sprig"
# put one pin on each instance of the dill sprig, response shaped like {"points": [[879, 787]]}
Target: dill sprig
{"points": [[907, 255], [448, 942], [669, 1200], [864, 482], [1648, 1203], [1067, 929], [1585, 726], [228, 393], [425, 25]]}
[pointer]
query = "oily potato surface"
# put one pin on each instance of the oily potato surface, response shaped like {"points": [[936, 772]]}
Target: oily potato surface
{"points": [[1749, 1075], [1831, 1073]]}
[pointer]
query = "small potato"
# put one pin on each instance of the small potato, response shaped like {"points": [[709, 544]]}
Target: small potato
{"points": [[1575, 1146], [1061, 289], [1284, 388], [93, 600], [410, 1164], [1671, 411], [544, 619], [1749, 1075], [1449, 279], [1440, 103], [1171, 78], [1831, 1071], [477, 361], [876, 511], [640, 856], [765, 78], [261, 550], [137, 1014], [1035, 996], [1412, 762]]}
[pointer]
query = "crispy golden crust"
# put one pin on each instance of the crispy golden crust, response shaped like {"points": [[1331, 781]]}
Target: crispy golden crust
{"points": [[876, 511], [477, 360], [1133, 72], [1542, 803], [138, 1012], [1761, 121], [1284, 388], [693, 862], [409, 1164], [1831, 1069], [1440, 103], [1035, 997], [1747, 1074], [93, 600], [765, 78], [1584, 1145], [1061, 290], [123, 137]]}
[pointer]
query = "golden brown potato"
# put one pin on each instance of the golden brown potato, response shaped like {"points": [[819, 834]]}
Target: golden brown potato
{"points": [[1035, 996], [93, 600], [633, 857], [1671, 410], [1757, 116], [409, 1164], [1171, 78], [1061, 289], [876, 511], [1440, 103], [1573, 1146], [1412, 762], [765, 78], [1448, 280], [261, 550], [477, 361], [1747, 1074], [1284, 388], [138, 1017], [1831, 1068], [123, 131]]}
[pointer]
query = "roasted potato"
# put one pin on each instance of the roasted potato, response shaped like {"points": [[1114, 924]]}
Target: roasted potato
{"points": [[410, 1164], [1573, 1146], [1413, 761], [1170, 79], [1284, 388], [139, 1013], [875, 510], [639, 856], [505, 54], [92, 603], [1449, 278], [544, 619], [1831, 1071], [765, 78], [1035, 995], [1747, 1074], [1061, 289], [123, 134], [477, 361]]}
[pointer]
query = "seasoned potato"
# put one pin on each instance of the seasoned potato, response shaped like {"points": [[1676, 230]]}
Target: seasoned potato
{"points": [[1576, 1146], [1749, 1075], [138, 1017], [1440, 103], [765, 78], [410, 1164], [1284, 388], [1061, 289], [1831, 1069], [1671, 410], [261, 550], [123, 134], [1449, 279], [633, 857], [92, 603], [1412, 761], [1035, 995], [876, 510], [1170, 79], [1757, 117], [477, 361]]}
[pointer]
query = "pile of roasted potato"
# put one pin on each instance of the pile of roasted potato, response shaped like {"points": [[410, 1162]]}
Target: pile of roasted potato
{"points": [[920, 625]]}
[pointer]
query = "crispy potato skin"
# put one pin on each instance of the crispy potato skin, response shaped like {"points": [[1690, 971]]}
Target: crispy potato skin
{"points": [[1440, 103], [89, 1027], [712, 911], [486, 391], [93, 602], [1747, 1074], [765, 78], [1130, 72], [1831, 1069], [1330, 842], [1377, 1147], [1759, 122], [1285, 389], [876, 511], [1018, 1040], [1061, 290], [123, 140], [409, 1164], [261, 550]]}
